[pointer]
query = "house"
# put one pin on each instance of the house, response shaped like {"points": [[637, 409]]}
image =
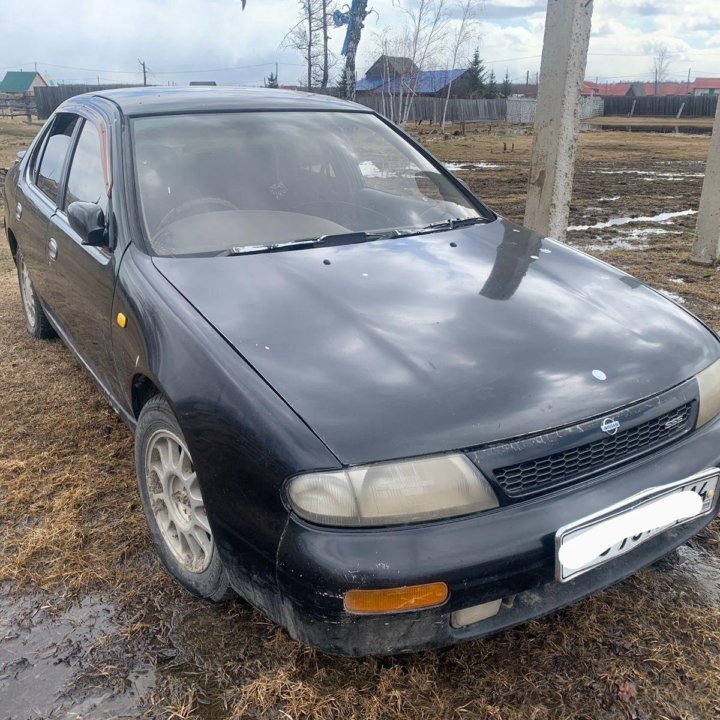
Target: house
{"points": [[705, 86], [393, 75], [21, 82], [391, 66]]}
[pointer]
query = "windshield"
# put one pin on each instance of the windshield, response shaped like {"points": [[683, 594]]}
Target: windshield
{"points": [[211, 182]]}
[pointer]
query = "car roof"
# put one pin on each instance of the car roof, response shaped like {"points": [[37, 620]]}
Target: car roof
{"points": [[163, 100]]}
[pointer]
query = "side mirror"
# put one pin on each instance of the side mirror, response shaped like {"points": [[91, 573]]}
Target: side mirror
{"points": [[21, 154], [88, 221]]}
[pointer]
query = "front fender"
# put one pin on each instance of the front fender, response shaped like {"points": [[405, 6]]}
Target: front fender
{"points": [[244, 439]]}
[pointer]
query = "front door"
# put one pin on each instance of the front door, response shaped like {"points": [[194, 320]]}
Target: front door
{"points": [[82, 277]]}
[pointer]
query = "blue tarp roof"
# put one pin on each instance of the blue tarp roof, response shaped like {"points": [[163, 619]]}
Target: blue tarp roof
{"points": [[424, 82]]}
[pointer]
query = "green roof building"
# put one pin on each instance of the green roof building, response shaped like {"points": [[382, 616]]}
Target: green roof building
{"points": [[21, 82]]}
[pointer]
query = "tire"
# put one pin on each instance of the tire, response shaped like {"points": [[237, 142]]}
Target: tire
{"points": [[173, 504], [36, 322]]}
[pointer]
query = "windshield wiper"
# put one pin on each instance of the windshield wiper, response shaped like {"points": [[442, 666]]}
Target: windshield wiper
{"points": [[453, 223], [450, 224], [349, 238]]}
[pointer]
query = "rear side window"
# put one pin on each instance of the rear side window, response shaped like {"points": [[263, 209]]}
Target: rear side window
{"points": [[86, 181], [54, 154]]}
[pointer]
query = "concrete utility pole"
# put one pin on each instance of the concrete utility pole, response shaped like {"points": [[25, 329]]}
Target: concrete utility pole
{"points": [[706, 249], [142, 62], [557, 116]]}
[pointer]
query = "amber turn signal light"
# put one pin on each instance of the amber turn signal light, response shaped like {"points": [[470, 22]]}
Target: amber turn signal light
{"points": [[402, 599], [121, 320]]}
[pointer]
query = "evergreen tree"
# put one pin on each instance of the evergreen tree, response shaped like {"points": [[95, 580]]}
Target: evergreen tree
{"points": [[271, 81], [506, 87], [491, 90], [476, 75], [342, 85]]}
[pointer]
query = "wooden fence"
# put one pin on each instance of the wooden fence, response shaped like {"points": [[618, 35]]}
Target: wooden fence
{"points": [[430, 109], [669, 106], [14, 104], [519, 111], [49, 98]]}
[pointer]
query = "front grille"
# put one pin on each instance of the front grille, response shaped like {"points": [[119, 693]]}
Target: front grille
{"points": [[562, 468]]}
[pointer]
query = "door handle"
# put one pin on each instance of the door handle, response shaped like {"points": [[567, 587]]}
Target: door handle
{"points": [[18, 211], [53, 248]]}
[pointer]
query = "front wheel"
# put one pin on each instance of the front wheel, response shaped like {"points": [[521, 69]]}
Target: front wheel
{"points": [[174, 506], [36, 322]]}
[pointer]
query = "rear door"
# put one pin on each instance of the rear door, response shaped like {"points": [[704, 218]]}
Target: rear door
{"points": [[83, 276], [38, 197]]}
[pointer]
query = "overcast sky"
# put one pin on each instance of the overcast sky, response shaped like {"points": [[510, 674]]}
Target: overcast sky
{"points": [[183, 40]]}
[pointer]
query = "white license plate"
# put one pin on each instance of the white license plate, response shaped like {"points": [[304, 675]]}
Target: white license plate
{"points": [[598, 538]]}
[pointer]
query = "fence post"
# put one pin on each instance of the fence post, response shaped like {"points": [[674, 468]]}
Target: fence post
{"points": [[706, 248], [557, 115]]}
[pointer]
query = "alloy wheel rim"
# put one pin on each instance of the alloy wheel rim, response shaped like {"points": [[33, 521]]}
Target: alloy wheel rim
{"points": [[176, 501], [28, 294]]}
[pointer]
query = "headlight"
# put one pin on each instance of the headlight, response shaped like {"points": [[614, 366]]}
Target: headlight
{"points": [[392, 493], [709, 385]]}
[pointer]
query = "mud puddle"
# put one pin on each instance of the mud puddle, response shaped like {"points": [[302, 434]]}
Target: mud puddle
{"points": [[694, 571], [66, 664]]}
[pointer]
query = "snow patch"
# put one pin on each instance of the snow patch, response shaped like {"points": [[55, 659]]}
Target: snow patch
{"points": [[651, 174], [453, 166], [613, 244], [613, 222], [673, 296]]}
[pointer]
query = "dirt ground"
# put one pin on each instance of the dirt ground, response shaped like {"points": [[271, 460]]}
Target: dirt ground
{"points": [[91, 627]]}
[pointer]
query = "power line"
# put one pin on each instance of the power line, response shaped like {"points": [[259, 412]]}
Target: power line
{"points": [[158, 72]]}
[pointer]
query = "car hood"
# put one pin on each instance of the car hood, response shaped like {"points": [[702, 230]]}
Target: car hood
{"points": [[423, 344]]}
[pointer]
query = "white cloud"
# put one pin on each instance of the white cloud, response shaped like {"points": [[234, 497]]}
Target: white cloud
{"points": [[100, 37]]}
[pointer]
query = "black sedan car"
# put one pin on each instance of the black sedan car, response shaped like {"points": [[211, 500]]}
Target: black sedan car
{"points": [[380, 413]]}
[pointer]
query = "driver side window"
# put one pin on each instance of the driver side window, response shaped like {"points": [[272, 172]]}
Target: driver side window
{"points": [[86, 181]]}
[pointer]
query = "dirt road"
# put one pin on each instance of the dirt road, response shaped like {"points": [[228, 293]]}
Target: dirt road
{"points": [[90, 626]]}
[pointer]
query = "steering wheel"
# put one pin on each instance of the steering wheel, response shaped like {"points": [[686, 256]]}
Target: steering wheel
{"points": [[332, 204], [190, 207]]}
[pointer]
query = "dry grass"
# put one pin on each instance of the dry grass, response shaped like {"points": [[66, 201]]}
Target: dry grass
{"points": [[71, 523]]}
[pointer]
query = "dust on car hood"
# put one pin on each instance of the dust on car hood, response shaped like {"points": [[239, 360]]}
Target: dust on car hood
{"points": [[423, 344]]}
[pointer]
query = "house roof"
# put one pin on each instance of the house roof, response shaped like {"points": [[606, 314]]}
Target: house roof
{"points": [[17, 81], [424, 82], [706, 84], [641, 88], [367, 84]]}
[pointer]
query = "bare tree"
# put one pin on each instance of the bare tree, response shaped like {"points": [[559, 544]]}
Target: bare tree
{"points": [[468, 15], [325, 37], [305, 37], [661, 65], [358, 14], [428, 23], [394, 75]]}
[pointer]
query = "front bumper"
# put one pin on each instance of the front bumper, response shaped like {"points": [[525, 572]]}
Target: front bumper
{"points": [[507, 553]]}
